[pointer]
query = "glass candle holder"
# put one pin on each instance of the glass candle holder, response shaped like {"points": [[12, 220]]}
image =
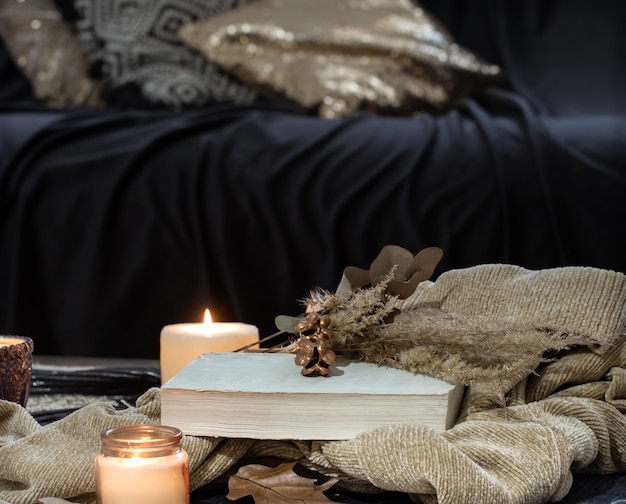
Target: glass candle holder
{"points": [[142, 464], [16, 366]]}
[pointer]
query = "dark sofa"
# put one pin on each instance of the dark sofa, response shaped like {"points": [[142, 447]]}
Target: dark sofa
{"points": [[116, 221]]}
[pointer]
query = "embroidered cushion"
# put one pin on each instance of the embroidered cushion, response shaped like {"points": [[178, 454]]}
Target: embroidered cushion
{"points": [[133, 45]]}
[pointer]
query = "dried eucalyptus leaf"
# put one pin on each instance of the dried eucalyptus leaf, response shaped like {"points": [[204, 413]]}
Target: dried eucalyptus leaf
{"points": [[389, 257], [344, 289], [357, 277], [403, 289], [424, 263], [287, 323]]}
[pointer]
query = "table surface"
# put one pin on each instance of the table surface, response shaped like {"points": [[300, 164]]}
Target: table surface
{"points": [[72, 362], [63, 384], [586, 489]]}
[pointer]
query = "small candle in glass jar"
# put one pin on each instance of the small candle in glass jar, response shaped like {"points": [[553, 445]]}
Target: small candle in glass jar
{"points": [[142, 464]]}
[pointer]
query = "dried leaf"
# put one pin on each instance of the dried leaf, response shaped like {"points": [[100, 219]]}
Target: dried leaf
{"points": [[424, 263], [276, 485], [389, 257], [408, 271], [353, 278], [287, 323]]}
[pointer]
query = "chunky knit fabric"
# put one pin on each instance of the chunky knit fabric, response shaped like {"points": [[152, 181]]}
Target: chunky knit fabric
{"points": [[568, 415], [589, 302]]}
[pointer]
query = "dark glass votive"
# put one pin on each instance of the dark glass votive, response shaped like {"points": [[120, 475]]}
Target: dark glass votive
{"points": [[16, 366]]}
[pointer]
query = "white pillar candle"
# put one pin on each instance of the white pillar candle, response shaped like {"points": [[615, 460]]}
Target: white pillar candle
{"points": [[183, 343]]}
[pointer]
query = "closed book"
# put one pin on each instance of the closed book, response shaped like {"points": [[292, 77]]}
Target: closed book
{"points": [[264, 396]]}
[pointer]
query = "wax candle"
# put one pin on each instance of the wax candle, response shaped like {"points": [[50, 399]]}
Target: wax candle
{"points": [[142, 464], [183, 343]]}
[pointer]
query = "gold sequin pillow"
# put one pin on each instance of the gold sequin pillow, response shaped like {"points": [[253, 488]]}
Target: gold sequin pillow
{"points": [[46, 49], [339, 56]]}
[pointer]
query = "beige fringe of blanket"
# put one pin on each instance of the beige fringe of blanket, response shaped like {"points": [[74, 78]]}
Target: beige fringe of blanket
{"points": [[568, 415]]}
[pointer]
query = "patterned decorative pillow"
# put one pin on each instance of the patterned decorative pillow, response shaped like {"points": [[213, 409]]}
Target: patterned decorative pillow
{"points": [[133, 45], [47, 51]]}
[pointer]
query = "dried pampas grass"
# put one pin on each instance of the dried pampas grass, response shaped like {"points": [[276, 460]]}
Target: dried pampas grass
{"points": [[466, 349]]}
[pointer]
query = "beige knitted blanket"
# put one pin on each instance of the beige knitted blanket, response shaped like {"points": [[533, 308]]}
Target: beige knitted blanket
{"points": [[568, 415]]}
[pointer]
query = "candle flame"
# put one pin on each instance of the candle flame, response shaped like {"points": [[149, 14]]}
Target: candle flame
{"points": [[207, 320]]}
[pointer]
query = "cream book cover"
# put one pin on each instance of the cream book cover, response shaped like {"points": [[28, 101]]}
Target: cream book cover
{"points": [[264, 396]]}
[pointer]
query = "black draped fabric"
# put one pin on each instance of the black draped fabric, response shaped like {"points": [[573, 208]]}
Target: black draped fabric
{"points": [[586, 489], [14, 87], [565, 57], [115, 223]]}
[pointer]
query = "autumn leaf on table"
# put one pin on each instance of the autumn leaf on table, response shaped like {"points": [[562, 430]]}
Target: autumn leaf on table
{"points": [[276, 485]]}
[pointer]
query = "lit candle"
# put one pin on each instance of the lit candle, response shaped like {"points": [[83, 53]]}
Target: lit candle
{"points": [[183, 343], [142, 464]]}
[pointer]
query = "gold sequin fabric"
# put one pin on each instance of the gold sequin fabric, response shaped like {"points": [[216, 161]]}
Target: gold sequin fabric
{"points": [[46, 49], [340, 56]]}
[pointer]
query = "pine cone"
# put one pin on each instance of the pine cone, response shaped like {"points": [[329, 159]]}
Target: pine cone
{"points": [[312, 353]]}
